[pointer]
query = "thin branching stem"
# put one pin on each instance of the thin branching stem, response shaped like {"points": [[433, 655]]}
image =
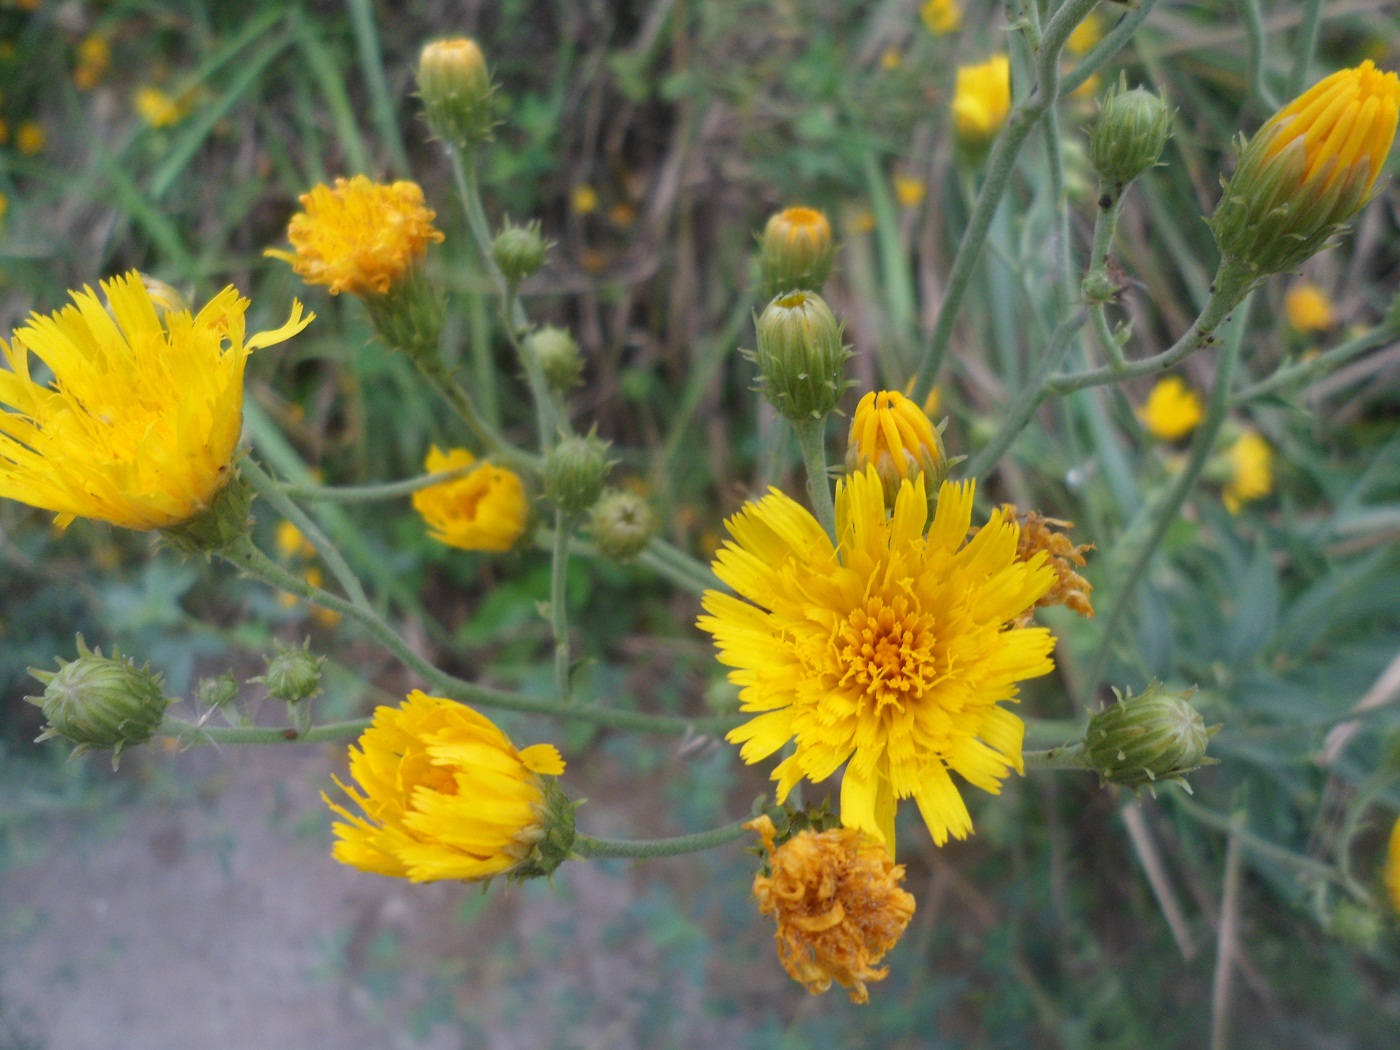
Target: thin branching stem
{"points": [[1307, 46], [559, 605], [382, 491], [811, 436], [587, 846]]}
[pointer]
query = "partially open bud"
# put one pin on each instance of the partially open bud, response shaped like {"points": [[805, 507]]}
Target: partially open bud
{"points": [[1155, 736], [519, 250], [101, 702], [801, 362], [890, 433], [622, 523], [293, 674], [455, 86], [1133, 128], [795, 251], [558, 355], [575, 471], [1309, 169]]}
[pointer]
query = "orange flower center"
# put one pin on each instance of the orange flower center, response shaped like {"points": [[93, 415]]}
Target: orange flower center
{"points": [[887, 651]]}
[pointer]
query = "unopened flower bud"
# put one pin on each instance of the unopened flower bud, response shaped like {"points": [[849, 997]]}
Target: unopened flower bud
{"points": [[795, 251], [801, 361], [1133, 128], [1357, 926], [1155, 736], [1308, 170], [456, 88], [558, 355], [101, 702], [575, 471], [293, 674], [216, 692], [519, 250], [892, 434], [622, 524]]}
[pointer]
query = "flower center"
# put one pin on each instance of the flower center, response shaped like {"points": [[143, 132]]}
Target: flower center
{"points": [[886, 650]]}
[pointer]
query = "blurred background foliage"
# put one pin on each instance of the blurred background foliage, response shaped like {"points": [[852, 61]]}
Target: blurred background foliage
{"points": [[652, 137]]}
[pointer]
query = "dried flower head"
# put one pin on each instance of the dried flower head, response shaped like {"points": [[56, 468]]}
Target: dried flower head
{"points": [[1039, 533], [836, 898]]}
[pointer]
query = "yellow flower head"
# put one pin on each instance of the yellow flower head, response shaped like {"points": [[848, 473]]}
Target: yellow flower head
{"points": [[909, 190], [941, 16], [836, 898], [583, 199], [291, 543], [891, 434], [445, 795], [139, 424], [359, 236], [31, 138], [1085, 35], [1250, 461], [795, 251], [1308, 308], [1392, 867], [1172, 410], [1343, 122], [94, 56], [156, 107], [485, 510], [888, 654], [982, 100]]}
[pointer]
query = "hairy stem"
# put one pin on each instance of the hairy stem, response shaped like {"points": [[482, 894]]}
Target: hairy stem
{"points": [[811, 436], [645, 849], [381, 491], [559, 605]]}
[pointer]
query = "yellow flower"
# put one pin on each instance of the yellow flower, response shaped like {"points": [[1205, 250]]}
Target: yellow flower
{"points": [[485, 510], [157, 108], [909, 190], [890, 433], [1308, 308], [4, 205], [1085, 35], [359, 236], [94, 56], [890, 59], [941, 16], [1172, 410], [139, 424], [445, 795], [31, 138], [889, 654], [1392, 867], [982, 99], [862, 220], [1251, 471], [1089, 88], [836, 898], [291, 542], [4, 131], [583, 199]]}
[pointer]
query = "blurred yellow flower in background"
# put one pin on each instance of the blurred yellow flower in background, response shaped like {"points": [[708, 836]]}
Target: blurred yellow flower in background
{"points": [[31, 138], [836, 899], [1392, 867], [445, 795], [1308, 308], [888, 654], [909, 190], [486, 510], [1250, 462], [94, 57], [291, 542], [982, 100], [1085, 35], [1172, 410], [359, 236], [941, 16], [139, 424], [156, 107], [583, 199]]}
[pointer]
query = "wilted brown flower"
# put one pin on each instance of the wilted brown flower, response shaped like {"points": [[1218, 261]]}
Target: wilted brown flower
{"points": [[1038, 533], [836, 898]]}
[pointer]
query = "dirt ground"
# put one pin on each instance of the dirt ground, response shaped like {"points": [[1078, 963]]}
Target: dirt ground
{"points": [[216, 920]]}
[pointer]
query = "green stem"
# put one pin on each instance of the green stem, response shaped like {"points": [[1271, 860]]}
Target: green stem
{"points": [[246, 557], [1098, 281], [1107, 48], [435, 372], [1307, 46], [587, 846], [1000, 165], [1036, 393], [271, 491], [811, 436], [194, 733], [1071, 756], [370, 493], [1263, 847], [683, 562], [1166, 512], [1258, 45], [1306, 371], [559, 605]]}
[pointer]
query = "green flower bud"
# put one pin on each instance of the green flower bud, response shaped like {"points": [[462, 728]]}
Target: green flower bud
{"points": [[575, 471], [558, 355], [1133, 128], [519, 250], [622, 524], [216, 692], [556, 833], [409, 316], [456, 88], [795, 251], [1356, 925], [293, 674], [100, 702], [801, 362], [219, 526], [1158, 735]]}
